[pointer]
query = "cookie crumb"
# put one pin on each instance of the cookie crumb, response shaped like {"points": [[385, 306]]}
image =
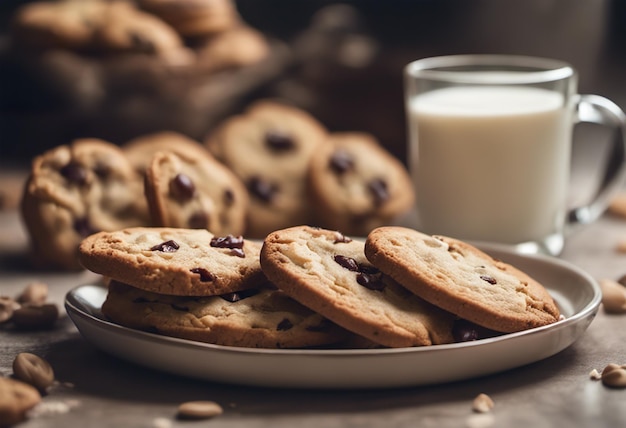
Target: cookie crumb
{"points": [[55, 407], [482, 403], [595, 375]]}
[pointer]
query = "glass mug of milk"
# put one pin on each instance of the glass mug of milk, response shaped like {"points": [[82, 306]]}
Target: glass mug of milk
{"points": [[490, 142]]}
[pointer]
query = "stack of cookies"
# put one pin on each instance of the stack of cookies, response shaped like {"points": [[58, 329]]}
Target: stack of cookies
{"points": [[312, 287], [271, 167], [207, 34], [191, 284]]}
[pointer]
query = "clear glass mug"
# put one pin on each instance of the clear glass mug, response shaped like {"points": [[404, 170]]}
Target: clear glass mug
{"points": [[489, 150]]}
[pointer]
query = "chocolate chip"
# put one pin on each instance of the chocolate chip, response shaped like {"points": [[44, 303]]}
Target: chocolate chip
{"points": [[466, 331], [279, 141], [102, 171], [83, 227], [347, 263], [284, 325], [378, 189], [228, 241], [170, 246], [341, 161], [368, 276], [141, 43], [369, 269], [198, 220], [262, 189], [75, 173], [229, 197], [235, 243], [489, 279], [182, 187], [371, 281], [205, 275]]}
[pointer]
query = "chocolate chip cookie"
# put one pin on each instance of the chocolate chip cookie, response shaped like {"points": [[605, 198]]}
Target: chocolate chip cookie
{"points": [[195, 192], [461, 279], [356, 185], [140, 150], [126, 29], [57, 24], [75, 190], [256, 318], [329, 273], [238, 47], [185, 262], [269, 147]]}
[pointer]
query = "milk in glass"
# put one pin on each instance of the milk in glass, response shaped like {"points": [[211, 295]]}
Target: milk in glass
{"points": [[491, 162]]}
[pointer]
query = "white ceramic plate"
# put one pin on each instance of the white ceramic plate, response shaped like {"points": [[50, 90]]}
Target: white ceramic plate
{"points": [[576, 293]]}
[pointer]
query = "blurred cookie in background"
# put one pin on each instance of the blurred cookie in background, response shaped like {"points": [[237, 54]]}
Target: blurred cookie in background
{"points": [[357, 185]]}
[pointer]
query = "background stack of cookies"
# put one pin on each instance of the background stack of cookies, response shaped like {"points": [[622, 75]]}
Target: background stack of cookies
{"points": [[271, 167], [115, 69]]}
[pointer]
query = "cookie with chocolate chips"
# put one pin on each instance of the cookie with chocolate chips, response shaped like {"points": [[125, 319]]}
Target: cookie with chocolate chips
{"points": [[461, 279], [329, 273], [257, 318], [139, 150], [128, 30], [185, 262], [58, 24], [356, 185], [194, 191], [75, 190], [269, 147]]}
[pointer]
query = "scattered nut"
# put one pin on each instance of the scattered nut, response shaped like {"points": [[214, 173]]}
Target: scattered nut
{"points": [[16, 399], [613, 296], [482, 403], [35, 293], [30, 317], [611, 367], [614, 376], [33, 370], [199, 410]]}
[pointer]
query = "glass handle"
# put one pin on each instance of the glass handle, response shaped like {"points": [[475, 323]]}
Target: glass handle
{"points": [[599, 110]]}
